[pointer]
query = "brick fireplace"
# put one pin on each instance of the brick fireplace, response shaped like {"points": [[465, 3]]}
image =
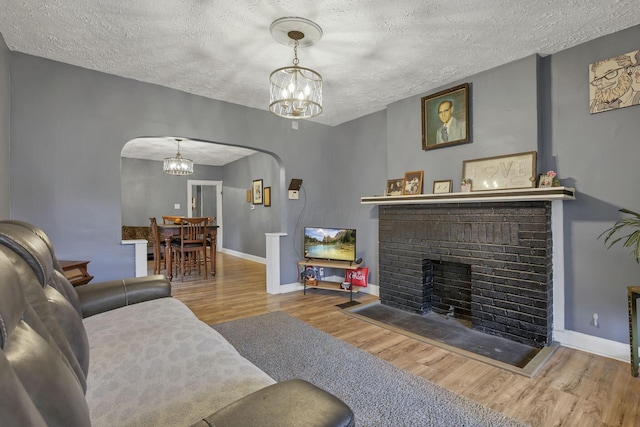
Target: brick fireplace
{"points": [[489, 263]]}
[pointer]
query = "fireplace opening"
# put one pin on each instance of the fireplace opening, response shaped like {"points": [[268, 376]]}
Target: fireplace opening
{"points": [[449, 285]]}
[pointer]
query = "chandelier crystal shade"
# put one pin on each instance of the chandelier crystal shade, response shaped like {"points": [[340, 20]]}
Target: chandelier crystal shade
{"points": [[178, 165], [295, 92]]}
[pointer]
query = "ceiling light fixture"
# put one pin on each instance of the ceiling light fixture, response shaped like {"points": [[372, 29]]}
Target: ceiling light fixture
{"points": [[178, 165], [296, 92]]}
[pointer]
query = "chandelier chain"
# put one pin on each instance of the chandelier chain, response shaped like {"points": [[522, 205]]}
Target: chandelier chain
{"points": [[295, 53]]}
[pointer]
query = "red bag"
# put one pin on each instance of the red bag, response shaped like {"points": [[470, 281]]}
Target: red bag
{"points": [[357, 277]]}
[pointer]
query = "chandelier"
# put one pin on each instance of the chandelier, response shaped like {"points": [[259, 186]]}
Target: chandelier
{"points": [[295, 92], [178, 165]]}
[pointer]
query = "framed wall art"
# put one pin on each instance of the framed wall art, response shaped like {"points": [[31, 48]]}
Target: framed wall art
{"points": [[257, 192], [545, 181], [413, 182], [501, 172], [394, 187], [445, 118], [249, 197], [442, 186], [267, 196], [613, 82]]}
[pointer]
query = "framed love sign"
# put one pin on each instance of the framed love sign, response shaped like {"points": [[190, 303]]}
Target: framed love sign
{"points": [[501, 172]]}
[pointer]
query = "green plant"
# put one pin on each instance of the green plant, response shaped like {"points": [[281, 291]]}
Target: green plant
{"points": [[632, 239]]}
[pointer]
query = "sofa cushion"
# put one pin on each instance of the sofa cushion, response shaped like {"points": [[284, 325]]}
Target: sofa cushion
{"points": [[154, 363]]}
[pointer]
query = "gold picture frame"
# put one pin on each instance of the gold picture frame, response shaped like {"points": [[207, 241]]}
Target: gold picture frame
{"points": [[249, 196], [267, 196], [445, 118], [412, 183], [501, 172]]}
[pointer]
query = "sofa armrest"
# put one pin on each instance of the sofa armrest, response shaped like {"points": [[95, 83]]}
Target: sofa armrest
{"points": [[100, 297], [288, 403]]}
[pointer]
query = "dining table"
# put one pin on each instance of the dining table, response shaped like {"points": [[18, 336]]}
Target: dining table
{"points": [[173, 230]]}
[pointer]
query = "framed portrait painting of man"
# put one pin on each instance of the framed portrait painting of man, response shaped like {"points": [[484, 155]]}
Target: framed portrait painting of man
{"points": [[445, 118]]}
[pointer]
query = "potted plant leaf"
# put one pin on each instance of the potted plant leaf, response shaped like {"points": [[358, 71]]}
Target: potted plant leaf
{"points": [[615, 234]]}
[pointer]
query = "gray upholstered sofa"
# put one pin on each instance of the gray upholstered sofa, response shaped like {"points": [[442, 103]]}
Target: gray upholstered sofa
{"points": [[124, 353]]}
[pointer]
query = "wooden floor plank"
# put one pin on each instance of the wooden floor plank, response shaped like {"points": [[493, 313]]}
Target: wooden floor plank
{"points": [[574, 388]]}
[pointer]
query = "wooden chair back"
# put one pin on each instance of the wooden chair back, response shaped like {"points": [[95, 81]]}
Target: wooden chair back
{"points": [[157, 245], [172, 219], [193, 238], [193, 230]]}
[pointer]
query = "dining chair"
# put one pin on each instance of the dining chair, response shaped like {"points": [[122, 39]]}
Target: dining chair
{"points": [[158, 246], [210, 221], [171, 219], [193, 241]]}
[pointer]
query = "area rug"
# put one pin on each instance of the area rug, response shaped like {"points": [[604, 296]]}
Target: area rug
{"points": [[379, 393]]}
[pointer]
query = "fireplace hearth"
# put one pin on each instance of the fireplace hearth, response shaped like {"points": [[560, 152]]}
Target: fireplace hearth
{"points": [[489, 263]]}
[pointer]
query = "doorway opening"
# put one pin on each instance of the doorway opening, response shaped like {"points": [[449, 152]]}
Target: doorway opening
{"points": [[204, 199]]}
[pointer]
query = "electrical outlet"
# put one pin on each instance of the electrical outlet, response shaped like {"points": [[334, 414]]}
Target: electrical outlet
{"points": [[595, 321], [176, 206], [293, 195]]}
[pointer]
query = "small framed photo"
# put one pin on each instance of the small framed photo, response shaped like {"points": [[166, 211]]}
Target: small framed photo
{"points": [[545, 181], [444, 186], [394, 187], [249, 196], [267, 196], [257, 192], [412, 182]]}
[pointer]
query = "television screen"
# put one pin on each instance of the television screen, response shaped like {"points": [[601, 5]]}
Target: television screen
{"points": [[337, 244]]}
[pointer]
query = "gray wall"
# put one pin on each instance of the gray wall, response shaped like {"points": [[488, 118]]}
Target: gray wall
{"points": [[503, 121], [5, 130], [66, 169], [149, 192], [244, 227], [598, 154], [360, 164], [69, 125]]}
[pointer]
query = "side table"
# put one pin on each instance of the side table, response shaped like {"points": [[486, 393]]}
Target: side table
{"points": [[76, 272], [633, 293]]}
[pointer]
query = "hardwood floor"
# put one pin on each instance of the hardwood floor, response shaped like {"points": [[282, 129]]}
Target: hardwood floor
{"points": [[574, 388]]}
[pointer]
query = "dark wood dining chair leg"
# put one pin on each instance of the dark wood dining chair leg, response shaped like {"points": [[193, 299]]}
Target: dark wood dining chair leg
{"points": [[212, 255], [168, 261]]}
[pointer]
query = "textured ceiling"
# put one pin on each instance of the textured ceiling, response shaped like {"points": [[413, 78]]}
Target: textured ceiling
{"points": [[373, 52], [203, 153]]}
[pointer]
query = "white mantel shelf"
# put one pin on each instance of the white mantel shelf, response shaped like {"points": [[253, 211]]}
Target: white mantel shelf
{"points": [[514, 195]]}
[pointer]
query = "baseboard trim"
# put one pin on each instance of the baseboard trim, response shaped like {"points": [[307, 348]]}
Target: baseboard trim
{"points": [[592, 344], [249, 257]]}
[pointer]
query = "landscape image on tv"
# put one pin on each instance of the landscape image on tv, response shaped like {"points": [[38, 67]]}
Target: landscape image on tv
{"points": [[330, 243]]}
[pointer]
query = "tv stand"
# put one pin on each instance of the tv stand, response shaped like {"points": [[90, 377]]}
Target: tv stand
{"points": [[325, 284]]}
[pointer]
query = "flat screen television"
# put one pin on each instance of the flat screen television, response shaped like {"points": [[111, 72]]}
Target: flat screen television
{"points": [[336, 244]]}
